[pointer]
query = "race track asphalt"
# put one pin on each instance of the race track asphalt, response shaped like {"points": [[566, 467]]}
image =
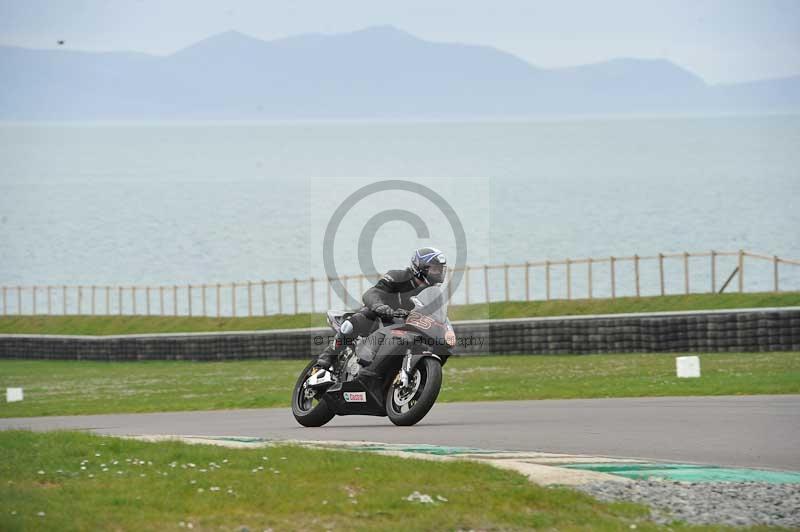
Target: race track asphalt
{"points": [[747, 431]]}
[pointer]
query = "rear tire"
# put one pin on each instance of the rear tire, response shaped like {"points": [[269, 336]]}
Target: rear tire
{"points": [[430, 371], [304, 410]]}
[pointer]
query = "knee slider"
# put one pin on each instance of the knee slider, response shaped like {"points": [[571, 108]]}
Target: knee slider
{"points": [[346, 327]]}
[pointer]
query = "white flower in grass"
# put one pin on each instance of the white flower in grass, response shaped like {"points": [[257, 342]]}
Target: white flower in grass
{"points": [[265, 458], [214, 488], [91, 476], [189, 525], [83, 468], [225, 461], [284, 458], [105, 469], [142, 475], [97, 454], [41, 472], [443, 499], [192, 482], [41, 514], [190, 464], [420, 497], [200, 490]]}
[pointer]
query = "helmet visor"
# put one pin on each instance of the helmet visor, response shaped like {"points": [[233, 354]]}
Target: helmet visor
{"points": [[435, 273]]}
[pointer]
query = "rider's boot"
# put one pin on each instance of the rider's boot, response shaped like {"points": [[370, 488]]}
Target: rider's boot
{"points": [[331, 353]]}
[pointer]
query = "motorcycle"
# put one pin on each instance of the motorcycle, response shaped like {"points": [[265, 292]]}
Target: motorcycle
{"points": [[395, 371]]}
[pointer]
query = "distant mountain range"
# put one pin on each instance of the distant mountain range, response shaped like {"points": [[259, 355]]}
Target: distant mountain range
{"points": [[376, 73]]}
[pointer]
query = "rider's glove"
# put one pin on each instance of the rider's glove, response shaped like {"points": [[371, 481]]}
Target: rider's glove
{"points": [[384, 311], [400, 313]]}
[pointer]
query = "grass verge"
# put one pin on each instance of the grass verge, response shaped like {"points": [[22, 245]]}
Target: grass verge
{"points": [[84, 387], [77, 481], [108, 325]]}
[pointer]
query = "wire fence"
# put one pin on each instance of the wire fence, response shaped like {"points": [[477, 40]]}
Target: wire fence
{"points": [[588, 278]]}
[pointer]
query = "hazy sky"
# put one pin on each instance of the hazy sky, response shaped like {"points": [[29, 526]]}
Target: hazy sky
{"points": [[720, 40]]}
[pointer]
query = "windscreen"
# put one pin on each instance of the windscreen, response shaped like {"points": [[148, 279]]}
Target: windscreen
{"points": [[431, 302]]}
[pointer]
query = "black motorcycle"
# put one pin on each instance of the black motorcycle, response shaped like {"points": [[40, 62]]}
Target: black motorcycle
{"points": [[395, 371]]}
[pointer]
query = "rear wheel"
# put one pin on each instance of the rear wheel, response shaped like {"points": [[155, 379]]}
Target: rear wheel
{"points": [[407, 405], [307, 407]]}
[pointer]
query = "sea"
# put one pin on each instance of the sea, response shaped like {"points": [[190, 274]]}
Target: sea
{"points": [[193, 203]]}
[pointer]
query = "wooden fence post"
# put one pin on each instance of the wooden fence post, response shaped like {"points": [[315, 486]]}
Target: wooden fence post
{"points": [[294, 289], [203, 296], [64, 300], [233, 299], [613, 278], [466, 284], [661, 272], [189, 299], [686, 272], [449, 286], [249, 299], [280, 297], [161, 300], [505, 280], [49, 301], [80, 300], [486, 283], [569, 279], [174, 300], [741, 271], [775, 261], [713, 271], [263, 298], [636, 274], [527, 281], [94, 289], [119, 300], [19, 300], [147, 299], [330, 289], [219, 300], [547, 278], [589, 275]]}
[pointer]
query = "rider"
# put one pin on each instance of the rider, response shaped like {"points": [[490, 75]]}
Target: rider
{"points": [[389, 298]]}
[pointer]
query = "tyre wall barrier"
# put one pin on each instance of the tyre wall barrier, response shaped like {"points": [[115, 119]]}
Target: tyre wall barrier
{"points": [[751, 330]]}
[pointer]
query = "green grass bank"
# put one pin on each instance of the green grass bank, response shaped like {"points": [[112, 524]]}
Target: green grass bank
{"points": [[86, 387], [112, 325]]}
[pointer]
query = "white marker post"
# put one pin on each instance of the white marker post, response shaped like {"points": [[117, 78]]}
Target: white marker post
{"points": [[688, 367], [13, 395]]}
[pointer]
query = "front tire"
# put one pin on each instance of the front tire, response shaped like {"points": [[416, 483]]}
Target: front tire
{"points": [[406, 409], [306, 411]]}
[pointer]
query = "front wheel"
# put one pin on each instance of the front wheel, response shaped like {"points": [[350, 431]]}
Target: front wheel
{"points": [[307, 407], [406, 406]]}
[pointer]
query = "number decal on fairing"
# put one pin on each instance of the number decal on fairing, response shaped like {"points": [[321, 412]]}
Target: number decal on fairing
{"points": [[419, 320]]}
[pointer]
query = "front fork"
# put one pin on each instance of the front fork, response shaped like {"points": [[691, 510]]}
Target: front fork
{"points": [[410, 361]]}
